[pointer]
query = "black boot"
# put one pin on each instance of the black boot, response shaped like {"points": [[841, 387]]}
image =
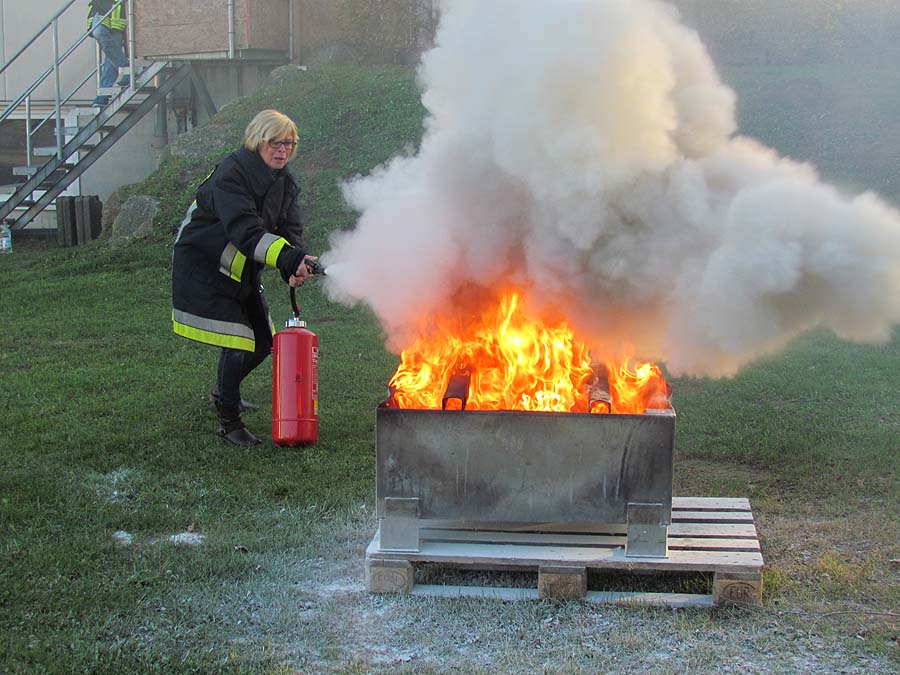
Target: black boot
{"points": [[232, 428], [243, 406]]}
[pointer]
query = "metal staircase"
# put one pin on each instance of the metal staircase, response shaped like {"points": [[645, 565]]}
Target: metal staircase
{"points": [[77, 148], [80, 151]]}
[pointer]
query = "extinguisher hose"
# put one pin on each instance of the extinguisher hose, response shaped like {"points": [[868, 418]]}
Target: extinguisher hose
{"points": [[295, 308]]}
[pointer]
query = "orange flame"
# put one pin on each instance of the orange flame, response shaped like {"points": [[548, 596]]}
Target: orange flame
{"points": [[505, 360], [636, 388]]}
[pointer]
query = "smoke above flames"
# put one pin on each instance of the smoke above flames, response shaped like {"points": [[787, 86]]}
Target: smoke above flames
{"points": [[587, 151]]}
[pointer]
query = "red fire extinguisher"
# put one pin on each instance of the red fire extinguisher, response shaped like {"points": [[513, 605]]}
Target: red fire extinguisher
{"points": [[295, 382]]}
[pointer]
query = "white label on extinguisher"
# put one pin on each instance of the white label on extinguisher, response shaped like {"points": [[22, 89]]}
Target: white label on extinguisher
{"points": [[315, 379]]}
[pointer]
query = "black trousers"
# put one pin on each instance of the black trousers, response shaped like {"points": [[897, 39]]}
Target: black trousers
{"points": [[236, 364]]}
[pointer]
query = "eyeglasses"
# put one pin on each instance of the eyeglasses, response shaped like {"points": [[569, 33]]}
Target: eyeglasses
{"points": [[283, 145]]}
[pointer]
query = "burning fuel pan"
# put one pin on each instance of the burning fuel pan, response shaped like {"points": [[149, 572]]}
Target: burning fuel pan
{"points": [[487, 467]]}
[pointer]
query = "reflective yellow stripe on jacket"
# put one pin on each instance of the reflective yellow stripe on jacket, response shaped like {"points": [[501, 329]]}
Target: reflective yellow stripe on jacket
{"points": [[219, 333], [268, 248], [232, 262]]}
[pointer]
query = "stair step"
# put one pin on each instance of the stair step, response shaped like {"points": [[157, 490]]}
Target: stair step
{"points": [[72, 130], [12, 188], [31, 170], [50, 151], [46, 151]]}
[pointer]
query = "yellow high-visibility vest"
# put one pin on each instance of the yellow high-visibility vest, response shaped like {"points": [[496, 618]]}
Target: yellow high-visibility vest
{"points": [[115, 20]]}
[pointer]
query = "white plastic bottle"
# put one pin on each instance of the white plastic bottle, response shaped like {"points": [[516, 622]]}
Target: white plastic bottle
{"points": [[5, 237]]}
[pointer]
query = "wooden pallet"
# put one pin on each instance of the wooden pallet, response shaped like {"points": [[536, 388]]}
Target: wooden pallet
{"points": [[706, 535]]}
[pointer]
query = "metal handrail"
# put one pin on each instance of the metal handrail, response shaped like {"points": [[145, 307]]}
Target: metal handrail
{"points": [[65, 100], [40, 78], [26, 95]]}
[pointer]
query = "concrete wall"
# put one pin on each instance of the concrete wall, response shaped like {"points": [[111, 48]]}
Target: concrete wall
{"points": [[229, 81], [134, 157]]}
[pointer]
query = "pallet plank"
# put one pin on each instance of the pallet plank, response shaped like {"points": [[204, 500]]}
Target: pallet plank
{"points": [[534, 556], [726, 530], [710, 544], [712, 516], [711, 503], [600, 597]]}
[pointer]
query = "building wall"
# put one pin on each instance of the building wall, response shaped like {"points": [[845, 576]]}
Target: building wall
{"points": [[200, 28], [19, 21], [364, 31]]}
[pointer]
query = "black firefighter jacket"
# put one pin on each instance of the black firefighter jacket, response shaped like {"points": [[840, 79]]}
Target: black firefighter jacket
{"points": [[245, 217]]}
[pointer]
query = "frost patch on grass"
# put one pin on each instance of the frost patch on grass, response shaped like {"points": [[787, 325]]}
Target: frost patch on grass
{"points": [[187, 539], [309, 606], [342, 586], [387, 656], [123, 538], [115, 487]]}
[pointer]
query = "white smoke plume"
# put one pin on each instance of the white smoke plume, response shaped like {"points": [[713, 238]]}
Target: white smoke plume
{"points": [[587, 149]]}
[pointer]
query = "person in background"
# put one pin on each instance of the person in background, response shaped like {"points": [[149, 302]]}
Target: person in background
{"points": [[245, 217], [109, 32]]}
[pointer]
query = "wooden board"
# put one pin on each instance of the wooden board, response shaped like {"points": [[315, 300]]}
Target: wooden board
{"points": [[474, 554], [707, 535], [601, 597]]}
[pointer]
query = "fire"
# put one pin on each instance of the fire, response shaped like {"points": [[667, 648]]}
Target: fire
{"points": [[636, 388], [502, 359]]}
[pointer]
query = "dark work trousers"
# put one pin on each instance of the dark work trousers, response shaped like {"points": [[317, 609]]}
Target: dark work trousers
{"points": [[236, 364]]}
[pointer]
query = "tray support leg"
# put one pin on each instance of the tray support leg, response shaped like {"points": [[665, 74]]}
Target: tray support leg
{"points": [[648, 530]]}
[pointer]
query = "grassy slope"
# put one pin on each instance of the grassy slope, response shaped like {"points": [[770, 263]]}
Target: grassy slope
{"points": [[107, 427]]}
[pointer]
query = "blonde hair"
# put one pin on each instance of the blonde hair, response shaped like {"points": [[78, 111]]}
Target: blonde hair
{"points": [[269, 125]]}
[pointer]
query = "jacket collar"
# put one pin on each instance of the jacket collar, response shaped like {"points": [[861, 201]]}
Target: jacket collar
{"points": [[261, 176]]}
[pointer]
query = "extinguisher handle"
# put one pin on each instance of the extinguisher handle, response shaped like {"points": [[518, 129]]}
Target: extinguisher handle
{"points": [[295, 308]]}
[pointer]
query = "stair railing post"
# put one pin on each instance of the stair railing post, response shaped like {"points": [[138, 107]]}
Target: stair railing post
{"points": [[130, 20], [57, 96], [28, 142]]}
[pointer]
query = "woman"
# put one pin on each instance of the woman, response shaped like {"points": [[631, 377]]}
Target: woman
{"points": [[245, 217]]}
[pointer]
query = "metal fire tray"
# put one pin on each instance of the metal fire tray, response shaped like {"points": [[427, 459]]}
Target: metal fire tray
{"points": [[488, 467]]}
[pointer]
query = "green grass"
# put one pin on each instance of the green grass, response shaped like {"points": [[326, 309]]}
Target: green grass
{"points": [[843, 119], [106, 427]]}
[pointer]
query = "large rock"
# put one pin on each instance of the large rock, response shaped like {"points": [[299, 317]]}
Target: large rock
{"points": [[213, 139], [133, 217]]}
